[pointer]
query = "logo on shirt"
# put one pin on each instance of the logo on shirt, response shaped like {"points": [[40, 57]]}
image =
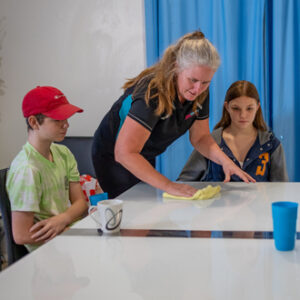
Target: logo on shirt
{"points": [[189, 115], [199, 107]]}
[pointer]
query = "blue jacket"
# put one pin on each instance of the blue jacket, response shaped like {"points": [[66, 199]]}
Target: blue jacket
{"points": [[265, 161]]}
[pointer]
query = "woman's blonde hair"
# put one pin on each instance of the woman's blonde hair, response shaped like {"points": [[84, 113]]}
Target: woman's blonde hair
{"points": [[193, 49], [238, 89]]}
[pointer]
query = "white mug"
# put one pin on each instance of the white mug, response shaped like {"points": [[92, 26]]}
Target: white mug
{"points": [[108, 215]]}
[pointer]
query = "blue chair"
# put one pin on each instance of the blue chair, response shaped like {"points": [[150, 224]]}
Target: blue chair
{"points": [[14, 251]]}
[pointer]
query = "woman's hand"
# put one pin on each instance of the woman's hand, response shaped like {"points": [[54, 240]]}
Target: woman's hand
{"points": [[231, 168], [180, 189]]}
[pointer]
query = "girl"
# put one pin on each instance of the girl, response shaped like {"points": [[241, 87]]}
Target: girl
{"points": [[241, 134]]}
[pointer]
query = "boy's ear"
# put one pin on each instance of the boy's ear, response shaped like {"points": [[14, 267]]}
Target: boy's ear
{"points": [[33, 122]]}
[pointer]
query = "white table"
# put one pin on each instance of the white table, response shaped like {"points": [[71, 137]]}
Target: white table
{"points": [[240, 206], [90, 266]]}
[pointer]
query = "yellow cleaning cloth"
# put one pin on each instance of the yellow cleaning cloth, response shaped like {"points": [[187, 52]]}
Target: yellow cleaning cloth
{"points": [[202, 194]]}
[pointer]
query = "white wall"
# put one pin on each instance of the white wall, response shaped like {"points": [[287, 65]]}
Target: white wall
{"points": [[86, 48]]}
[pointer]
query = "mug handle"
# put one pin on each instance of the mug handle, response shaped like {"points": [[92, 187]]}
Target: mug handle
{"points": [[92, 214]]}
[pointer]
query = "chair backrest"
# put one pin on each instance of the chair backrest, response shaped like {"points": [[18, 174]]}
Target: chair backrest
{"points": [[14, 251], [81, 147]]}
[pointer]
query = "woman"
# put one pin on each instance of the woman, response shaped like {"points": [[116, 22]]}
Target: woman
{"points": [[242, 134], [157, 107]]}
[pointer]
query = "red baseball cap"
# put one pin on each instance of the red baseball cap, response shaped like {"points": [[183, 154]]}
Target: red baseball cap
{"points": [[49, 101]]}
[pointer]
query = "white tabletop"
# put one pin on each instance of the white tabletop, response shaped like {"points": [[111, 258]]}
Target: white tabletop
{"points": [[240, 206], [118, 267]]}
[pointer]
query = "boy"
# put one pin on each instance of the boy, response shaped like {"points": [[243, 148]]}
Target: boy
{"points": [[43, 180]]}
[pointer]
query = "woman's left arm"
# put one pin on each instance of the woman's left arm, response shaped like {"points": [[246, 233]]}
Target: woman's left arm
{"points": [[203, 142]]}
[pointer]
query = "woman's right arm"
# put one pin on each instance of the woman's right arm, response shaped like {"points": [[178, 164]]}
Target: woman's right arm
{"points": [[130, 142]]}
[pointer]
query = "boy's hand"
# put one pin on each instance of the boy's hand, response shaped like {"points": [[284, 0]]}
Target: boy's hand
{"points": [[47, 229]]}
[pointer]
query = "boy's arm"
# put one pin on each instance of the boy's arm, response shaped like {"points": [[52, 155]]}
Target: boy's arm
{"points": [[49, 228], [79, 206], [22, 221]]}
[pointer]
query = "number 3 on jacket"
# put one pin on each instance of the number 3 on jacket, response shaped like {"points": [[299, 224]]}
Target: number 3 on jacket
{"points": [[264, 160]]}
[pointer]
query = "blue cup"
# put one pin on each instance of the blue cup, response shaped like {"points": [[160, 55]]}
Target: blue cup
{"points": [[94, 199], [284, 224]]}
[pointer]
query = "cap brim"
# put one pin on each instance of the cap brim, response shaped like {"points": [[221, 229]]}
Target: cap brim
{"points": [[63, 112]]}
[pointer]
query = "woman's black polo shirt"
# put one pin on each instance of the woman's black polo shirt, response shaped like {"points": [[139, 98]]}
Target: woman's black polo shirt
{"points": [[164, 129]]}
